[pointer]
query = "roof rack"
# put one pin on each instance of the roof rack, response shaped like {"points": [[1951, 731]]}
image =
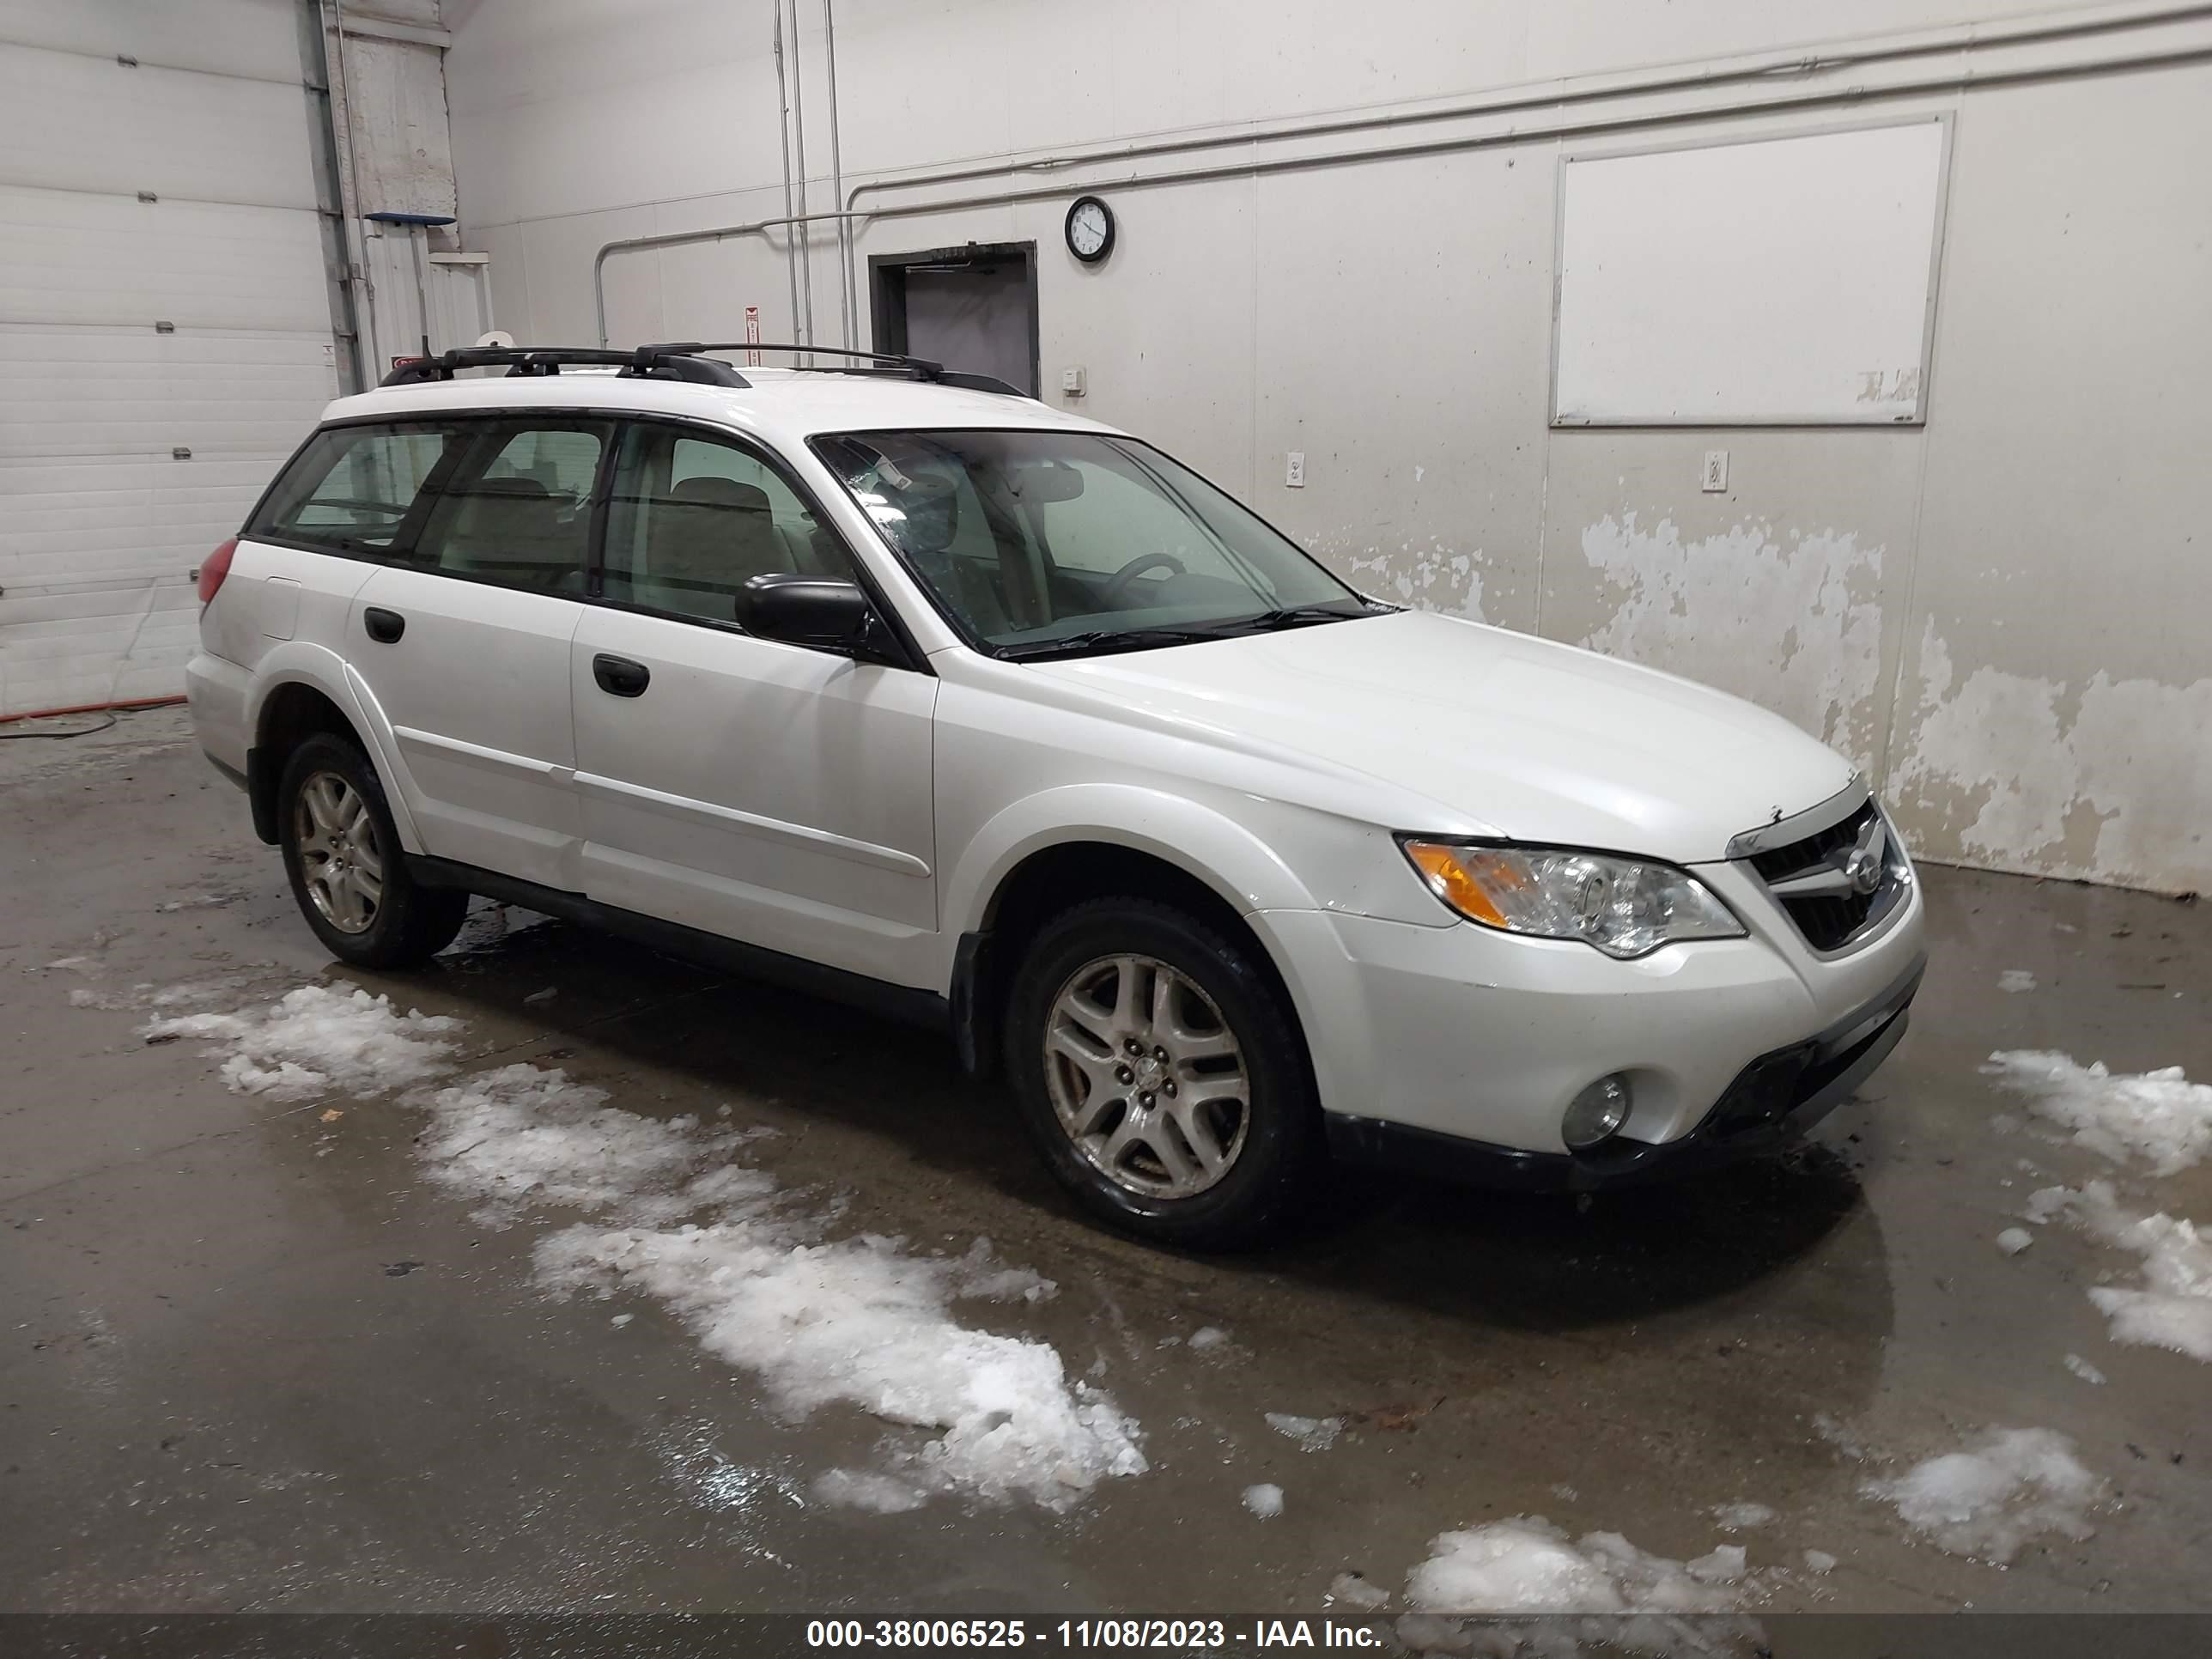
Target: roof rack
{"points": [[683, 360], [867, 362], [653, 363]]}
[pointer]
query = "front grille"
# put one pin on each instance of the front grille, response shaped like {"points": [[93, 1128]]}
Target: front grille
{"points": [[1828, 921]]}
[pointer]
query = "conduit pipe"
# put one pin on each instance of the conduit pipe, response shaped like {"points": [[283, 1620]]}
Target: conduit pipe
{"points": [[1553, 97], [837, 181], [790, 213]]}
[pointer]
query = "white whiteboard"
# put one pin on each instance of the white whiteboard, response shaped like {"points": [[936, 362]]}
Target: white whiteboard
{"points": [[1781, 281]]}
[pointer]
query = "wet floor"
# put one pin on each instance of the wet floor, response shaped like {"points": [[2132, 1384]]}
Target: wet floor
{"points": [[250, 1360]]}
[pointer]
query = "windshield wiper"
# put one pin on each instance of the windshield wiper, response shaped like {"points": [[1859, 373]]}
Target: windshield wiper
{"points": [[1301, 616], [1105, 639]]}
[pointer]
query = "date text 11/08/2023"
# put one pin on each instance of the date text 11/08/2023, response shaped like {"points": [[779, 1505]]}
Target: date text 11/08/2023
{"points": [[937, 1635]]}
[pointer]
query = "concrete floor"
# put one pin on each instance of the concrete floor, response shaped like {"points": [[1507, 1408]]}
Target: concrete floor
{"points": [[214, 1394]]}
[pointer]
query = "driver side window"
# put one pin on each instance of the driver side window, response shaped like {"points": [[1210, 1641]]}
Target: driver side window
{"points": [[693, 518]]}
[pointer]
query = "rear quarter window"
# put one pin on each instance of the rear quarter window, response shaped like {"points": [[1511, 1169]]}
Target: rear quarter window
{"points": [[351, 487]]}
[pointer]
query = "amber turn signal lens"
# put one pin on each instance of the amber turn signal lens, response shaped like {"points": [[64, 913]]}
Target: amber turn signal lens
{"points": [[1448, 875]]}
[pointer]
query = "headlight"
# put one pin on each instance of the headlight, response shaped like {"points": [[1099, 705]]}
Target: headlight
{"points": [[1624, 907]]}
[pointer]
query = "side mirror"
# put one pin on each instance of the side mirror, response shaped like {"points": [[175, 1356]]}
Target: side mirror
{"points": [[809, 611]]}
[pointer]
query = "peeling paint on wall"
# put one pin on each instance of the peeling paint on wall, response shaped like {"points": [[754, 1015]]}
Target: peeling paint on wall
{"points": [[1434, 576], [1792, 622], [2107, 782]]}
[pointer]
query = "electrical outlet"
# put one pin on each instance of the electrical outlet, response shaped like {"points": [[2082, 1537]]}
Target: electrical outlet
{"points": [[1716, 470], [1294, 475]]}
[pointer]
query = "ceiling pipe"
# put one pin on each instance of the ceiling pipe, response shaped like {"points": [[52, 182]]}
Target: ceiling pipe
{"points": [[1552, 99]]}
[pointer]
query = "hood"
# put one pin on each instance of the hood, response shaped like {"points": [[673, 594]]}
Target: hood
{"points": [[1509, 735]]}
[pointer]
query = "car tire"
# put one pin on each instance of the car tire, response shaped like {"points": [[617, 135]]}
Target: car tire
{"points": [[1133, 1167], [348, 870]]}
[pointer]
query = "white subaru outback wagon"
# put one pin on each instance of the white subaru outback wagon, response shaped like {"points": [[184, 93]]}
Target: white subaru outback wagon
{"points": [[896, 684]]}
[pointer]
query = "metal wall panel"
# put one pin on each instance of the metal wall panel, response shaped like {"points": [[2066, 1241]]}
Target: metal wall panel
{"points": [[158, 358]]}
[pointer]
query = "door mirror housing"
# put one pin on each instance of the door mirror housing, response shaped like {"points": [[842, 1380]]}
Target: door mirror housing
{"points": [[832, 616]]}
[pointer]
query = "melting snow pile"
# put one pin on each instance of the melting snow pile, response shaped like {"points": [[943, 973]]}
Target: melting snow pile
{"points": [[1529, 1566], [1987, 1501], [856, 1321], [2173, 1307], [2159, 1116], [2015, 979], [520, 1135], [315, 1040], [860, 1321]]}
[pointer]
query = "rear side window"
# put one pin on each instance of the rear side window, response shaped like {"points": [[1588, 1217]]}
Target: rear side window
{"points": [[513, 505], [351, 489], [508, 501]]}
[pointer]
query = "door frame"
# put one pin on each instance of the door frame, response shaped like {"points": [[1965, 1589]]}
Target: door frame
{"points": [[887, 291]]}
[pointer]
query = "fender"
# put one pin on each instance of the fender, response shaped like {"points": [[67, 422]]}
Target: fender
{"points": [[302, 662], [1248, 873]]}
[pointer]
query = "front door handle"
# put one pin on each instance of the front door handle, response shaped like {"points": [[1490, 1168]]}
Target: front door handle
{"points": [[384, 627], [621, 676]]}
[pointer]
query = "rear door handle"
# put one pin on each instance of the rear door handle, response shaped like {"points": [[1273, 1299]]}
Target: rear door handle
{"points": [[384, 627], [619, 675]]}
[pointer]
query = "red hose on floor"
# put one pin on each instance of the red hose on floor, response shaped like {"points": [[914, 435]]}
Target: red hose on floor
{"points": [[90, 708]]}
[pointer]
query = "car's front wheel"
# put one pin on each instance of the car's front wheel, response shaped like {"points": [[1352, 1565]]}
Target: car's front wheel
{"points": [[348, 870], [1158, 1066]]}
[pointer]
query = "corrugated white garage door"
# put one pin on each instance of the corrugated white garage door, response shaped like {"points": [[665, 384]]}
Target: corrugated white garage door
{"points": [[159, 357]]}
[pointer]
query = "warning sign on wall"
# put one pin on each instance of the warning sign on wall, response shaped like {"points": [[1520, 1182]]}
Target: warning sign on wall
{"points": [[752, 334]]}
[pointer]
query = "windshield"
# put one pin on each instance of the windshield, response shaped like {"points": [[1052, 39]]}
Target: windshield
{"points": [[1062, 543]]}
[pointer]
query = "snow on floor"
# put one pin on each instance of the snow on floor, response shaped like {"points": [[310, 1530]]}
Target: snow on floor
{"points": [[862, 1322], [2159, 1116], [1264, 1500], [1743, 1517], [315, 1040], [1312, 1434], [742, 1262], [522, 1135], [1357, 1590], [2082, 1369], [2172, 1307], [1528, 1565], [2012, 1240], [2015, 979], [1988, 1499]]}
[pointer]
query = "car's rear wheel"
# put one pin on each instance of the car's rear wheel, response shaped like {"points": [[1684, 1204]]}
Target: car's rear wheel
{"points": [[348, 871], [1163, 1075]]}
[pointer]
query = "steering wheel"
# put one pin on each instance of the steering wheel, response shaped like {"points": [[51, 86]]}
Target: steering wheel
{"points": [[1117, 585]]}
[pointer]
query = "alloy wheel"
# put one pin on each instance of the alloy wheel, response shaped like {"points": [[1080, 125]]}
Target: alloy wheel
{"points": [[1146, 1078], [340, 862]]}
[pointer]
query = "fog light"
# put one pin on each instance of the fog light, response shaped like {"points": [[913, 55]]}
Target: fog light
{"points": [[1596, 1114]]}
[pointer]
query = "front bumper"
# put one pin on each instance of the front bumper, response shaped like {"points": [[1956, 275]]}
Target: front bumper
{"points": [[1773, 1101], [1473, 1035]]}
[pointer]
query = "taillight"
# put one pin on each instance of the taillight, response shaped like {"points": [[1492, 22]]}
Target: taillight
{"points": [[213, 569]]}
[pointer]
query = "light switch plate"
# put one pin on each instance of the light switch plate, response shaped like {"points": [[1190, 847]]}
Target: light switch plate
{"points": [[1294, 475], [1716, 477]]}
